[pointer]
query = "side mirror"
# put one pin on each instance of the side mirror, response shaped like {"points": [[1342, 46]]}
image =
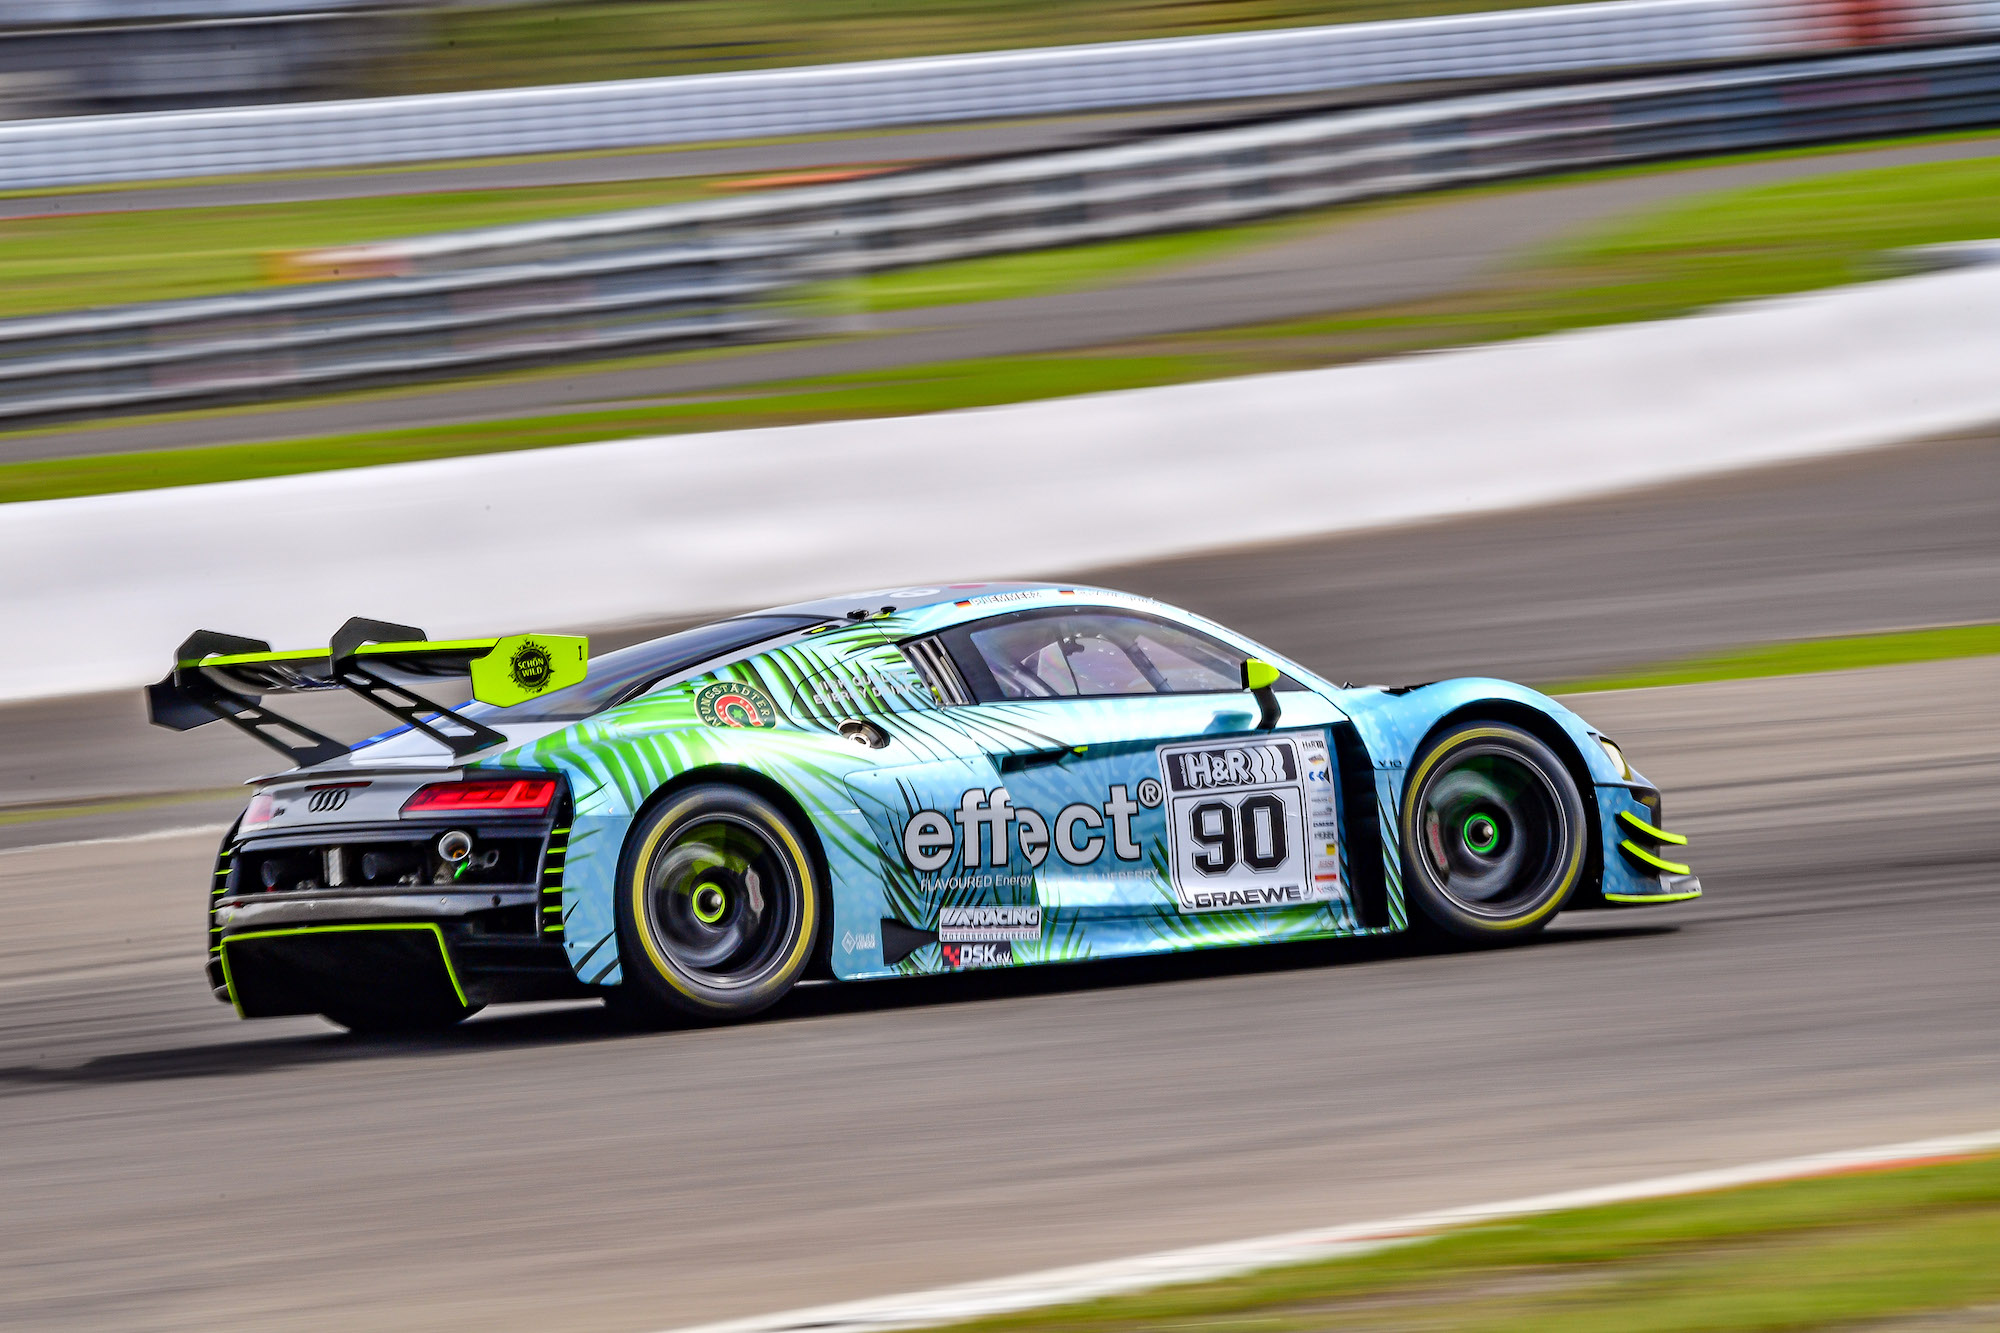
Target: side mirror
{"points": [[1261, 679]]}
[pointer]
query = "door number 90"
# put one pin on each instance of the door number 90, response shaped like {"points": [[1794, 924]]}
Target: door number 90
{"points": [[1252, 831]]}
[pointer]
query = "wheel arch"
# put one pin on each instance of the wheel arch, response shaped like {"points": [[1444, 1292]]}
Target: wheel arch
{"points": [[818, 967], [1550, 732]]}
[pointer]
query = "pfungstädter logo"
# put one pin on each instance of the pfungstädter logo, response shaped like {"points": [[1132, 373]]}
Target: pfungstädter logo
{"points": [[735, 703]]}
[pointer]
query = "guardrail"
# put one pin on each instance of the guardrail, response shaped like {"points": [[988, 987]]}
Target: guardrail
{"points": [[1624, 34], [306, 338], [1208, 178], [696, 272]]}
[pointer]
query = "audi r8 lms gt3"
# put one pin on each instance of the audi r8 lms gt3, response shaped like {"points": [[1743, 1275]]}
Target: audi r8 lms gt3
{"points": [[903, 782]]}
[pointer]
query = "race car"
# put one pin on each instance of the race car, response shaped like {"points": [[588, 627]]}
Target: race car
{"points": [[901, 782]]}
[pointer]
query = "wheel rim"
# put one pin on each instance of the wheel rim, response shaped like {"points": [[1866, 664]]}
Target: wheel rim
{"points": [[1494, 831], [720, 902]]}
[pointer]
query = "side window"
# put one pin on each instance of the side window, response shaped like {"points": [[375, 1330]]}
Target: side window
{"points": [[1188, 664], [1088, 654]]}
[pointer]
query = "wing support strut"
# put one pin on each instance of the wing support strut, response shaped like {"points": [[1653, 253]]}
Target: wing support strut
{"points": [[400, 702], [187, 699]]}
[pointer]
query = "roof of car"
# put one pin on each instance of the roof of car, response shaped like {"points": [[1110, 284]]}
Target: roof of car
{"points": [[915, 597]]}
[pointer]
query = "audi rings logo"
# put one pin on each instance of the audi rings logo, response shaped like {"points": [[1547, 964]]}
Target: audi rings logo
{"points": [[326, 799]]}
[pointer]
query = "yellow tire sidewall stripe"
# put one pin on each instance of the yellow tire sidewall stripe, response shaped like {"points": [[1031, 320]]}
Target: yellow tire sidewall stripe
{"points": [[801, 869], [1415, 784]]}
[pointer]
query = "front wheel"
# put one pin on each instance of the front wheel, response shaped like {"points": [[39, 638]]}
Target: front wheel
{"points": [[1493, 831], [717, 907]]}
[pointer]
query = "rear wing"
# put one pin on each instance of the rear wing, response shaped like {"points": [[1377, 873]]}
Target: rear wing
{"points": [[225, 677]]}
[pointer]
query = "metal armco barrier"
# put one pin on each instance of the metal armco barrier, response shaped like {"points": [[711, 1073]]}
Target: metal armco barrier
{"points": [[1177, 182], [1625, 34], [306, 338], [700, 271]]}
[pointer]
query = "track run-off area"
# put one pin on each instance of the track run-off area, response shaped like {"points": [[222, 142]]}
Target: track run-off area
{"points": [[167, 1166]]}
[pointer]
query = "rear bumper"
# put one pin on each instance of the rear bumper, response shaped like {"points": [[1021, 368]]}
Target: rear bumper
{"points": [[365, 915], [419, 965]]}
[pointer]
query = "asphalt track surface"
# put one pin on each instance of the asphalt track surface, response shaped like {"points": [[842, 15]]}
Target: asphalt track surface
{"points": [[1452, 243], [166, 1166]]}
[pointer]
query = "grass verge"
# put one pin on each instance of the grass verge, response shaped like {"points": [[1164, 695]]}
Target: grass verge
{"points": [[1733, 245], [1804, 656], [1814, 1254], [65, 260], [1039, 272]]}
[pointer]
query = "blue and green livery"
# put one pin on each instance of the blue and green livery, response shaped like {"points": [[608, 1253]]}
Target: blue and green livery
{"points": [[906, 781]]}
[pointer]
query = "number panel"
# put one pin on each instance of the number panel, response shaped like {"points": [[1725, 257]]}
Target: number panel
{"points": [[1252, 823]]}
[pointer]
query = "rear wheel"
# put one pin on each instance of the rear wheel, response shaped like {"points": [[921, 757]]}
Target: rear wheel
{"points": [[717, 907], [1493, 832]]}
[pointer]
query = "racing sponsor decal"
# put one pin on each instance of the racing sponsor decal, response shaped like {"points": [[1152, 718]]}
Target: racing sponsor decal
{"points": [[957, 925], [869, 690], [1021, 595], [1252, 824], [994, 953], [735, 703], [531, 666], [986, 828]]}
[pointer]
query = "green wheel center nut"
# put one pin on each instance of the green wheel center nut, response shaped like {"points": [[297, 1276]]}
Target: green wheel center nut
{"points": [[1481, 834], [709, 904]]}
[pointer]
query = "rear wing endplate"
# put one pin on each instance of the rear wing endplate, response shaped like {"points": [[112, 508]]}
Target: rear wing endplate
{"points": [[224, 676]]}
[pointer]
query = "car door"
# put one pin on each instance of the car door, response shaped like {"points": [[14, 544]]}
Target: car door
{"points": [[1134, 770]]}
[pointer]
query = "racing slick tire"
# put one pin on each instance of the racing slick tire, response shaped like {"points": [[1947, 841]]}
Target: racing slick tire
{"points": [[718, 908], [1494, 833]]}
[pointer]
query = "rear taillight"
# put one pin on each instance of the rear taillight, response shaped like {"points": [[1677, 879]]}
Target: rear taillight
{"points": [[262, 807], [507, 796]]}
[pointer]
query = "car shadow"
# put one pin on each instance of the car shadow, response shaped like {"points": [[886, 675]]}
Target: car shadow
{"points": [[515, 1029], [1152, 970]]}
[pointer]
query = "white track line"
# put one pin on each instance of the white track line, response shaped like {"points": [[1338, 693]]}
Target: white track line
{"points": [[186, 831], [1062, 1286]]}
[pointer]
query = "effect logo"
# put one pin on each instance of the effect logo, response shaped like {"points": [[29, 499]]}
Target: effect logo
{"points": [[531, 666], [735, 703]]}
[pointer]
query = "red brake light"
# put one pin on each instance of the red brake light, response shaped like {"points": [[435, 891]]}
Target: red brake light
{"points": [[262, 806], [511, 796]]}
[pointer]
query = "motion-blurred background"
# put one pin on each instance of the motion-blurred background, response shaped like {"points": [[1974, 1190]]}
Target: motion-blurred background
{"points": [[1643, 350]]}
